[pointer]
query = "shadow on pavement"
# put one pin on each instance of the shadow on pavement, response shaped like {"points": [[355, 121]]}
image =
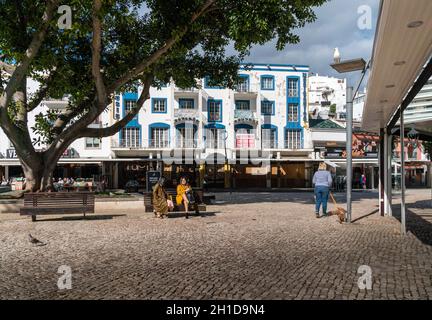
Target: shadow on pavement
{"points": [[365, 216], [419, 223], [80, 217]]}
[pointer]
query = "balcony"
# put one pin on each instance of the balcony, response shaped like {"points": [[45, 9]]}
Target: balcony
{"points": [[186, 92], [214, 144], [244, 89], [186, 143], [269, 144], [293, 144], [144, 144], [186, 114], [245, 115]]}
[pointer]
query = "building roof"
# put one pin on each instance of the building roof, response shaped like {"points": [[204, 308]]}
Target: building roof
{"points": [[324, 124]]}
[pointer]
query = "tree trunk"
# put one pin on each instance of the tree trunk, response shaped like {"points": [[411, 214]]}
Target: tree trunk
{"points": [[39, 175]]}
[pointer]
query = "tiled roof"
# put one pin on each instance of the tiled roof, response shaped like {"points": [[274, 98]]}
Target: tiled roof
{"points": [[324, 124]]}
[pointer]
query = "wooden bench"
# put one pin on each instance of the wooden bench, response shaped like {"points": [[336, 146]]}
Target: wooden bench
{"points": [[198, 207], [57, 203]]}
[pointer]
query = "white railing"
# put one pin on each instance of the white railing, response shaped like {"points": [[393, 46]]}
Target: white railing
{"points": [[186, 143], [269, 144], [215, 144], [244, 87], [186, 113], [245, 114], [293, 144], [136, 144]]}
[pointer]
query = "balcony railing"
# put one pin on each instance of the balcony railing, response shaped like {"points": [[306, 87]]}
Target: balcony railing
{"points": [[245, 87], [186, 113], [186, 143], [136, 144], [245, 115], [191, 89], [215, 144], [293, 144], [269, 144]]}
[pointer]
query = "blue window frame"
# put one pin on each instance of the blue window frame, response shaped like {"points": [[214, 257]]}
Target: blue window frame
{"points": [[214, 110], [267, 82], [293, 138], [293, 112], [243, 83], [267, 107], [242, 105], [186, 103], [293, 87], [159, 105], [129, 102]]}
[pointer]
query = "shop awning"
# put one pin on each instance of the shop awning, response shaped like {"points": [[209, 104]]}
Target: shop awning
{"points": [[401, 54]]}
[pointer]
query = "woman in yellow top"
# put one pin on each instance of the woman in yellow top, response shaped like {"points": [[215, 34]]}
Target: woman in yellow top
{"points": [[181, 197]]}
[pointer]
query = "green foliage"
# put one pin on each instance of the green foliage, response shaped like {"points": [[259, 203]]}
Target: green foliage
{"points": [[133, 30], [333, 108]]}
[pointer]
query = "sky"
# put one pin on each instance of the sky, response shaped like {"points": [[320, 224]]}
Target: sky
{"points": [[336, 26]]}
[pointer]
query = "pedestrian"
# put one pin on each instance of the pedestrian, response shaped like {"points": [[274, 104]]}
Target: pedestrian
{"points": [[323, 181], [363, 181], [161, 201]]}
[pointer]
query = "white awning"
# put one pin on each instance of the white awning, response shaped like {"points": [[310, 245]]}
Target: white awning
{"points": [[402, 47]]}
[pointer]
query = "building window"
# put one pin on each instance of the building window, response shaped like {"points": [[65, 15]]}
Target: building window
{"points": [[215, 110], [159, 105], [186, 104], [243, 84], [267, 107], [186, 137], [130, 137], [267, 83], [129, 105], [159, 137], [242, 105], [293, 88], [293, 112], [293, 139], [269, 138], [214, 138], [93, 143]]}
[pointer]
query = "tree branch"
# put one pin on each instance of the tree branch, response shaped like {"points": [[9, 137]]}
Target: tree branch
{"points": [[21, 70], [42, 92], [96, 55], [111, 130], [7, 67], [141, 67]]}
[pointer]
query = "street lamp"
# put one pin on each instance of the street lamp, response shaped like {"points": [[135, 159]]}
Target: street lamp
{"points": [[344, 67]]}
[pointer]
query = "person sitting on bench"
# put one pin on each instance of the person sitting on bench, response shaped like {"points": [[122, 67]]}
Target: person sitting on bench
{"points": [[161, 203], [184, 194]]}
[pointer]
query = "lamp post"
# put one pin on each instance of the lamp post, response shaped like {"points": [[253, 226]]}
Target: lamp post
{"points": [[344, 67]]}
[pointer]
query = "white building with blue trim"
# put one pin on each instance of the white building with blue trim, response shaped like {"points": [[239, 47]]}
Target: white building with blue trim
{"points": [[227, 131]]}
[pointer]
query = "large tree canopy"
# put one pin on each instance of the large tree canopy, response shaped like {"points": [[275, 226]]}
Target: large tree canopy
{"points": [[113, 45]]}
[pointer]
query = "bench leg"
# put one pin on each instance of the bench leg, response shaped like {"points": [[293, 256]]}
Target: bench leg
{"points": [[33, 217]]}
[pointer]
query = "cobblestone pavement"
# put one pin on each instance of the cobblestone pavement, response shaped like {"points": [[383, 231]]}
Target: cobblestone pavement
{"points": [[241, 249]]}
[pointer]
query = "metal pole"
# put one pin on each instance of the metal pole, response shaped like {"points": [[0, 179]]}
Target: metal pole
{"points": [[402, 155], [349, 173]]}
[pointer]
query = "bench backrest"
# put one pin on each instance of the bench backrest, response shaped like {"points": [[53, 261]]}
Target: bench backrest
{"points": [[55, 199]]}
